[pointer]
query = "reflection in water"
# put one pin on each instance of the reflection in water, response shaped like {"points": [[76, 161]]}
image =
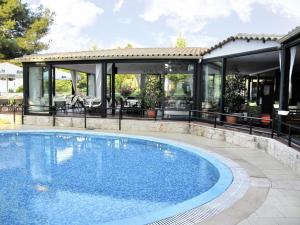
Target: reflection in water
{"points": [[56, 178]]}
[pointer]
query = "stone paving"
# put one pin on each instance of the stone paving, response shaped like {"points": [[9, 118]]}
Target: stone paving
{"points": [[282, 203], [274, 198]]}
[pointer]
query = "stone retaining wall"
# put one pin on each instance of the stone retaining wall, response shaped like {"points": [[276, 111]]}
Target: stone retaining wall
{"points": [[288, 156]]}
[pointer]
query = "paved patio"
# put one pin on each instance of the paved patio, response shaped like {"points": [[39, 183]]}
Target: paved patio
{"points": [[273, 197]]}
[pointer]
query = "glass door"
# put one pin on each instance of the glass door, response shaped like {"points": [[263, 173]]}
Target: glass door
{"points": [[38, 99]]}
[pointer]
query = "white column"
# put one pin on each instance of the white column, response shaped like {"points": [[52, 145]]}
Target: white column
{"points": [[74, 80], [98, 80], [293, 52]]}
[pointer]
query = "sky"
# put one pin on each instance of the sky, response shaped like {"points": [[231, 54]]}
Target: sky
{"points": [[81, 24]]}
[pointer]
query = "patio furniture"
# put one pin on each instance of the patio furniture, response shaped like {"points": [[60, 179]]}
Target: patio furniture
{"points": [[93, 106], [4, 104], [60, 105]]}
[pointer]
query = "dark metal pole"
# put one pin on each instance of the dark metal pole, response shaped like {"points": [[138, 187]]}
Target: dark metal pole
{"points": [[103, 89], [50, 86], [53, 115], [257, 90], [250, 128], [284, 84], [215, 121], [190, 115], [53, 81], [22, 114], [223, 84], [87, 84], [113, 88], [273, 124], [248, 91], [14, 108], [290, 136], [84, 117], [25, 85], [120, 117]]}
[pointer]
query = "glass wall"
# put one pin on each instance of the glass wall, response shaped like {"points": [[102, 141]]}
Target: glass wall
{"points": [[63, 82], [178, 86], [38, 88], [81, 84], [171, 84], [211, 86], [91, 85]]}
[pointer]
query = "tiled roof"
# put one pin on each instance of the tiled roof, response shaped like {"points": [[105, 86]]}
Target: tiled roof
{"points": [[130, 53], [290, 35], [247, 37]]}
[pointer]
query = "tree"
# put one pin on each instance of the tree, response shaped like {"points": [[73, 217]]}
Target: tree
{"points": [[129, 45], [180, 41], [94, 47], [234, 94], [21, 28]]}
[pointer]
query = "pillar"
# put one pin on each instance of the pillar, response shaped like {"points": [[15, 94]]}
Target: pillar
{"points": [[284, 84], [223, 84]]}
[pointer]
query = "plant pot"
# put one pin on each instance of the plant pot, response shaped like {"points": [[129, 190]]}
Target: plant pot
{"points": [[151, 113], [231, 119], [265, 119]]}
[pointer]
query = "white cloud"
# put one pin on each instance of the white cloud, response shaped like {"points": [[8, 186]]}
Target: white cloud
{"points": [[194, 15], [188, 15], [121, 43], [201, 39], [71, 18], [118, 5], [125, 21], [286, 8]]}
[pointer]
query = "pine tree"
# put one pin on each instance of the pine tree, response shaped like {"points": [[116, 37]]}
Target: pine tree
{"points": [[180, 41], [22, 28]]}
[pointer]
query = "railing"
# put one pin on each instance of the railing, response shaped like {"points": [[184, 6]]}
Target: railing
{"points": [[289, 132], [264, 126]]}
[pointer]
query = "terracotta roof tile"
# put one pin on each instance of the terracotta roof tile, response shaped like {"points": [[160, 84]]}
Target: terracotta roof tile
{"points": [[131, 53], [248, 37]]}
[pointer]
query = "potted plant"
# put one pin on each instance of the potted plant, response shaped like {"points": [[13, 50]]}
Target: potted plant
{"points": [[150, 95], [234, 98]]}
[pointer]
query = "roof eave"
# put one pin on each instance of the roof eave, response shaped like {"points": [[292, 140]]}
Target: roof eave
{"points": [[289, 36], [30, 60]]}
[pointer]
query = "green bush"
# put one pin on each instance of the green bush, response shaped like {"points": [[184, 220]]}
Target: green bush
{"points": [[19, 89]]}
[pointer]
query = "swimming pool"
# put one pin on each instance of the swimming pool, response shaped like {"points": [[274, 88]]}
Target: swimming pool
{"points": [[59, 177]]}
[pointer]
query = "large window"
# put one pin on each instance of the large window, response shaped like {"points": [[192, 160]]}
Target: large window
{"points": [[178, 86], [38, 88], [81, 85], [211, 86]]}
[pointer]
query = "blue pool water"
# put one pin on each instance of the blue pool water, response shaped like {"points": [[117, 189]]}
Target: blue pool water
{"points": [[63, 178]]}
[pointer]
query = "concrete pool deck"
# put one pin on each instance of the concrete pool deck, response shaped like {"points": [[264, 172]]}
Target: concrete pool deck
{"points": [[273, 197]]}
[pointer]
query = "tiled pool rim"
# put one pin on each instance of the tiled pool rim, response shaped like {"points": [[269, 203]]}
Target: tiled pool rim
{"points": [[231, 186]]}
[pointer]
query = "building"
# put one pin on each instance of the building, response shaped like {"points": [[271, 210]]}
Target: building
{"points": [[11, 78], [190, 78]]}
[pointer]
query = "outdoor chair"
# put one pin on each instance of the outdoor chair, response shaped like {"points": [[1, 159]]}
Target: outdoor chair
{"points": [[94, 107], [60, 105]]}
